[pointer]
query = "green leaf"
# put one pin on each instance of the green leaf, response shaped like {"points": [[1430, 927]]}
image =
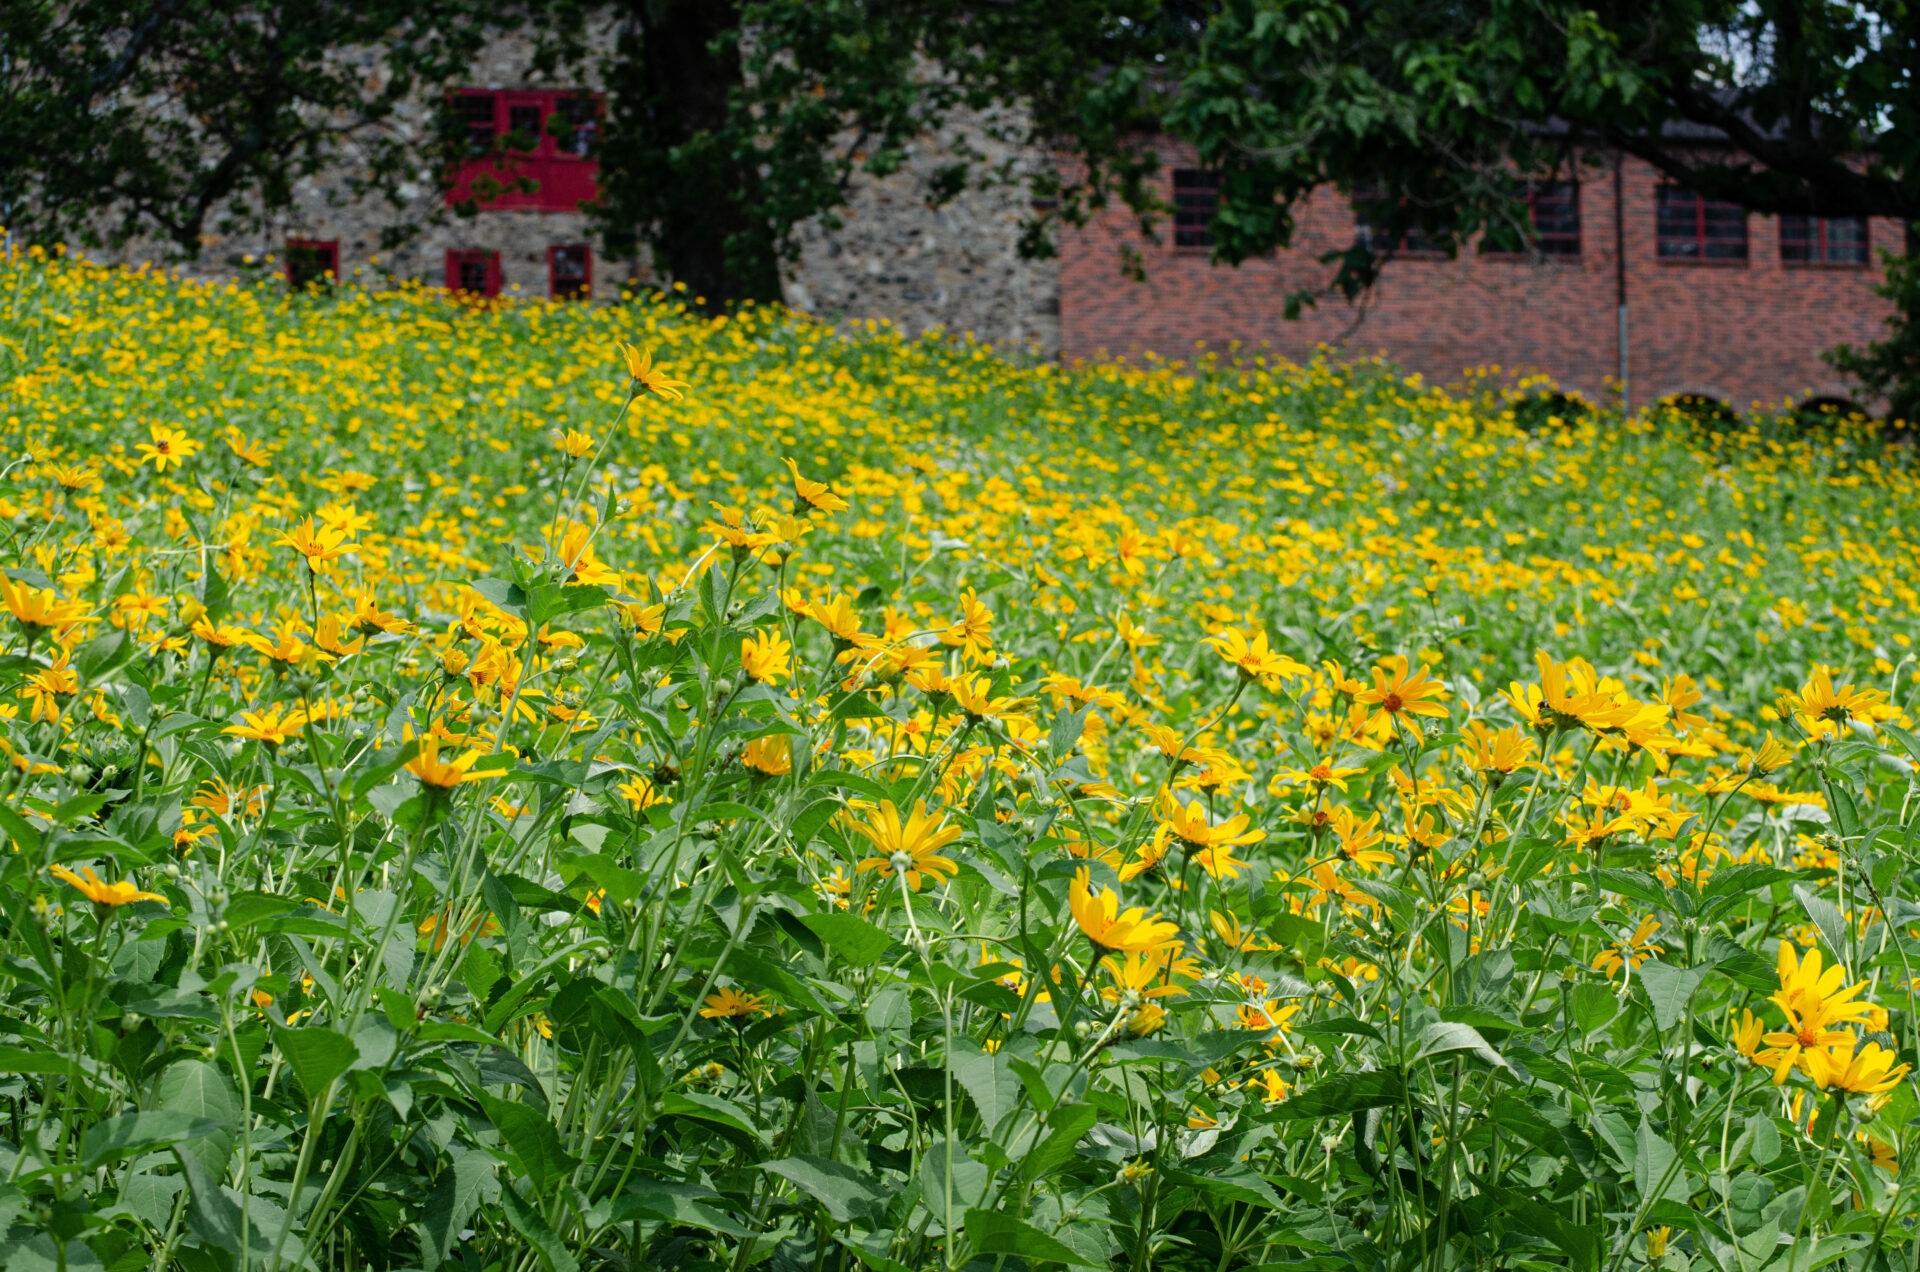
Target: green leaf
{"points": [[103, 655], [1670, 989], [1443, 1036], [530, 1141], [24, 836], [675, 1203], [846, 1193], [854, 939], [991, 1232], [1068, 1124], [1827, 917], [195, 1088], [1343, 1094], [131, 1134], [986, 1077], [1656, 1167], [1239, 1184], [711, 1108], [318, 1056], [455, 1197], [527, 1222]]}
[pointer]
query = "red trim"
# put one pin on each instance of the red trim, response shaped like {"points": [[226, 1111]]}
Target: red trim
{"points": [[579, 289], [461, 260], [546, 177], [327, 249]]}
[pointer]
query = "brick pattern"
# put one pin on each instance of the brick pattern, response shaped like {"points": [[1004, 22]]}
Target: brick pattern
{"points": [[1744, 333]]}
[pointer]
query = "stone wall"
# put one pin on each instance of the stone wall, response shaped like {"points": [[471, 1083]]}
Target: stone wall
{"points": [[954, 267]]}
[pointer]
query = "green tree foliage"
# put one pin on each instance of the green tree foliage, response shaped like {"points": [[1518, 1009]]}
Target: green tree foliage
{"points": [[176, 119]]}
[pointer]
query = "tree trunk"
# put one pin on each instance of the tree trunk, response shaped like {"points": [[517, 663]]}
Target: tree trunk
{"points": [[672, 165]]}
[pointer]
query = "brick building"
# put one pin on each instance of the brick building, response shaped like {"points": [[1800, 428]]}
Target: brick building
{"points": [[1717, 302]]}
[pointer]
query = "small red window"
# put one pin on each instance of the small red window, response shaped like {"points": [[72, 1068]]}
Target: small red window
{"points": [[475, 272], [312, 262], [570, 271]]}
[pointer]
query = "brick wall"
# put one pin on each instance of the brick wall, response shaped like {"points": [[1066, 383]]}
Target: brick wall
{"points": [[1743, 333]]}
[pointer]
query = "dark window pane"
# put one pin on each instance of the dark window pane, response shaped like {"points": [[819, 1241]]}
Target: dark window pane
{"points": [[1846, 240], [473, 276], [312, 263], [1724, 227], [476, 111], [1196, 198], [1556, 217], [1799, 240], [523, 126], [575, 125], [569, 272]]}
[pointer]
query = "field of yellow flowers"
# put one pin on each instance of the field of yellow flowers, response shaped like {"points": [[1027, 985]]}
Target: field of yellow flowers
{"points": [[564, 787]]}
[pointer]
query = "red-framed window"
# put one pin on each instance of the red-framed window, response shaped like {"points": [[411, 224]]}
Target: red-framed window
{"points": [[473, 271], [1196, 199], [1553, 222], [569, 271], [1554, 207], [1823, 240], [1692, 228], [312, 262], [1371, 217], [527, 148]]}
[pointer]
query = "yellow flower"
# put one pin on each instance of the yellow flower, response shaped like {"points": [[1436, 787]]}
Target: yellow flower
{"points": [[910, 848], [248, 450], [46, 687], [169, 447], [730, 1004], [1254, 658], [1098, 914], [444, 774], [814, 495], [1396, 692], [1746, 1036], [1814, 1000], [119, 892], [1501, 751], [772, 755], [1821, 703], [973, 632], [1863, 1069], [39, 609], [268, 726], [1145, 974], [1657, 1241], [1359, 838], [1633, 951], [574, 443], [1770, 756], [1189, 822], [319, 545], [766, 658], [648, 378]]}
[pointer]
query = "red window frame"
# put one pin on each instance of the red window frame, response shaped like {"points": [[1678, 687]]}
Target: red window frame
{"points": [[546, 176], [584, 290], [328, 250], [489, 262], [1691, 229], [1809, 240]]}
